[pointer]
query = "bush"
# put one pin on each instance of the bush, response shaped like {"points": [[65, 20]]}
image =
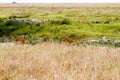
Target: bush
{"points": [[66, 21], [9, 27]]}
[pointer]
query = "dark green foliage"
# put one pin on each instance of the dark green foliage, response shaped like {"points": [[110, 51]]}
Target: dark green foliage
{"points": [[8, 27], [117, 44], [2, 20], [7, 31], [12, 23], [60, 22], [107, 22], [66, 21]]}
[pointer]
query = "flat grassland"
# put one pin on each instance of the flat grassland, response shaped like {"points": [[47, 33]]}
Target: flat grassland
{"points": [[58, 61], [54, 61], [77, 21]]}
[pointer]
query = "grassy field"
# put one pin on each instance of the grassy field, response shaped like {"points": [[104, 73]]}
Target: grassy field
{"points": [[79, 21], [46, 58], [54, 61]]}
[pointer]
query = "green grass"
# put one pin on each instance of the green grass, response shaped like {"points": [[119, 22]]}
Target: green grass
{"points": [[78, 23]]}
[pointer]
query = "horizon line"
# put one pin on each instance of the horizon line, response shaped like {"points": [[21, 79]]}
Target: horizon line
{"points": [[63, 2]]}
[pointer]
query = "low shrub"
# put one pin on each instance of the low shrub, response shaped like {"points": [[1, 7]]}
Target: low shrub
{"points": [[60, 22], [65, 21]]}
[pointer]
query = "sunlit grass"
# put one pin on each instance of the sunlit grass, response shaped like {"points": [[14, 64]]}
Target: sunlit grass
{"points": [[92, 21], [54, 61]]}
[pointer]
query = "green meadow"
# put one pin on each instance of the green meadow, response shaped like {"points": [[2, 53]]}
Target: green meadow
{"points": [[57, 22]]}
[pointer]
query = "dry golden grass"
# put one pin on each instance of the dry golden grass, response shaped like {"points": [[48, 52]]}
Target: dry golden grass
{"points": [[53, 61], [58, 5]]}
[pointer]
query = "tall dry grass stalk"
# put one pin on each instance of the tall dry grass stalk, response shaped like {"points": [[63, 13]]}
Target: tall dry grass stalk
{"points": [[53, 61]]}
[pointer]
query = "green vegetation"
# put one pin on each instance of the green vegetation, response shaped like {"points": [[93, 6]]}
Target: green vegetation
{"points": [[67, 41], [78, 23]]}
